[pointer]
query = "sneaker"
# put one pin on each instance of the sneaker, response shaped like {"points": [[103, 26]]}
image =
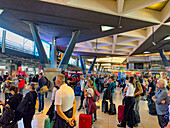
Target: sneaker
{"points": [[92, 126], [137, 125], [94, 120], [78, 109], [120, 125], [42, 111], [37, 113]]}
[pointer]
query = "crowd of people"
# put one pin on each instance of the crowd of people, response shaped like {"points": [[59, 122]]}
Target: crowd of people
{"points": [[63, 107]]}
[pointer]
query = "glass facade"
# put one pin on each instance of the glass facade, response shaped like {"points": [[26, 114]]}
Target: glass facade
{"points": [[19, 43]]}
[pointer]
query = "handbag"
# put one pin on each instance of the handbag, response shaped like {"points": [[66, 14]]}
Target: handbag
{"points": [[8, 116], [43, 89]]}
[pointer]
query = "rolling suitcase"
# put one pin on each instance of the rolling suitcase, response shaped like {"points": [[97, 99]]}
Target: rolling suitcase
{"points": [[48, 123], [85, 121], [104, 106], [120, 112], [112, 110]]}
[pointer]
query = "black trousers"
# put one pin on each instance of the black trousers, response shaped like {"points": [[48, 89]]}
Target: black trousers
{"points": [[98, 87], [128, 111], [162, 121], [61, 123], [81, 99], [95, 115], [46, 94], [27, 119]]}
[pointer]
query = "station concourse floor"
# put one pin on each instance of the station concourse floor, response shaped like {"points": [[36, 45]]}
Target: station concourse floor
{"points": [[103, 120]]}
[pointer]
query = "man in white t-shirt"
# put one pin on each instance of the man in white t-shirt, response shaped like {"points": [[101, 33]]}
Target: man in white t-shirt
{"points": [[65, 104]]}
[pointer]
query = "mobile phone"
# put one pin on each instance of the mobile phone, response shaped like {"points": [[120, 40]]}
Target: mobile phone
{"points": [[74, 123]]}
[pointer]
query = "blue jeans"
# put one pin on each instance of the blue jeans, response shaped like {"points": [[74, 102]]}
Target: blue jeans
{"points": [[41, 102], [136, 108]]}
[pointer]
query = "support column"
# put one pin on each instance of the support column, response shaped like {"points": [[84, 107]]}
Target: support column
{"points": [[64, 62], [82, 65], [77, 62], [92, 65], [101, 70], [98, 68], [3, 41], [165, 61], [53, 54], [42, 55]]}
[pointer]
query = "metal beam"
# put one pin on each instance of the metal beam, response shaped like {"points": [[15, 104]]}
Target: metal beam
{"points": [[92, 65], [165, 61], [82, 65], [42, 55], [120, 4], [64, 62], [53, 54], [98, 68], [3, 40]]}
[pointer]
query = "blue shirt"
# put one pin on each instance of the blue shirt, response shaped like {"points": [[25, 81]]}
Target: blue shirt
{"points": [[161, 94]]}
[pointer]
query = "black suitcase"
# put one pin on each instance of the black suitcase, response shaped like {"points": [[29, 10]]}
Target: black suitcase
{"points": [[112, 110], [152, 109], [104, 106]]}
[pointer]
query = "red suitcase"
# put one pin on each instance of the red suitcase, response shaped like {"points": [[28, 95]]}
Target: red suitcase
{"points": [[120, 112], [85, 121]]}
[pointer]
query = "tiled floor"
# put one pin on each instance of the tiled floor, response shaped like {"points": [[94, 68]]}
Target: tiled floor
{"points": [[104, 120]]}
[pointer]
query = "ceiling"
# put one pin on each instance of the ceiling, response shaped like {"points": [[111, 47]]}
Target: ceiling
{"points": [[136, 41], [131, 19]]}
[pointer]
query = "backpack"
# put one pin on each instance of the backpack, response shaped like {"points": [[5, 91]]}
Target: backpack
{"points": [[8, 116], [96, 96], [22, 109]]}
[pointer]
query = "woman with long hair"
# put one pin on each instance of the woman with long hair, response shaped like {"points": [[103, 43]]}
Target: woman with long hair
{"points": [[129, 104], [89, 92]]}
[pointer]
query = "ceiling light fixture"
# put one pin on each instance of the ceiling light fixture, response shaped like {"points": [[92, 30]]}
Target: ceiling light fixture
{"points": [[1, 11], [167, 38], [106, 28], [146, 52], [153, 43]]}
